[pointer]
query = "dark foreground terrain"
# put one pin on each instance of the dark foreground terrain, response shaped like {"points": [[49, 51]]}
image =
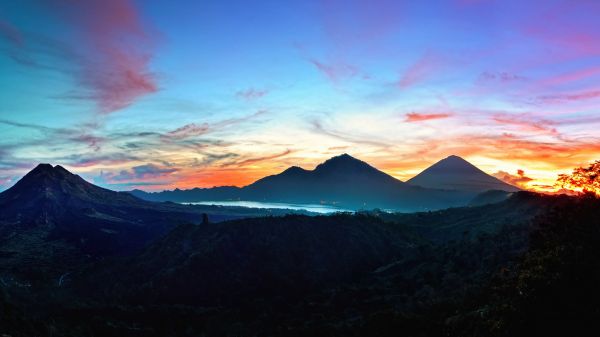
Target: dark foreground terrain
{"points": [[527, 265]]}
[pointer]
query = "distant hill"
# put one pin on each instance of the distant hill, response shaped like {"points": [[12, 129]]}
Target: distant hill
{"points": [[343, 180], [455, 173], [490, 197], [469, 222]]}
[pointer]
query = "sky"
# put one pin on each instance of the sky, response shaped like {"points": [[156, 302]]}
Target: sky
{"points": [[161, 94]]}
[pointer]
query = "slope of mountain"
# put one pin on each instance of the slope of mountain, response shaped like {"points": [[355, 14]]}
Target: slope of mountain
{"points": [[490, 197], [244, 259], [342, 180], [470, 222], [52, 220], [455, 173]]}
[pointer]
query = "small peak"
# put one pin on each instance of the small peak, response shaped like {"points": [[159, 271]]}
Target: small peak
{"points": [[43, 167], [294, 169], [344, 156], [48, 169], [454, 157], [344, 163]]}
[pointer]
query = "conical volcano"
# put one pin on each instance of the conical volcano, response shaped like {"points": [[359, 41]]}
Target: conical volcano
{"points": [[455, 173]]}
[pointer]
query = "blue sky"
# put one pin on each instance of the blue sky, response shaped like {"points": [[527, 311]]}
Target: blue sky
{"points": [[157, 94]]}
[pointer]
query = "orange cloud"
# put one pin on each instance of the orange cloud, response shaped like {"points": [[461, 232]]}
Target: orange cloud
{"points": [[519, 179], [419, 117]]}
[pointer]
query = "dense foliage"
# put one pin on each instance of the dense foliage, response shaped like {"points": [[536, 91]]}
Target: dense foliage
{"points": [[585, 179], [344, 275]]}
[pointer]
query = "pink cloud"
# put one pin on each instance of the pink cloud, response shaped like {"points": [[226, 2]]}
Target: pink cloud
{"points": [[526, 123], [419, 71], [419, 117], [117, 68], [571, 76], [578, 96], [108, 54]]}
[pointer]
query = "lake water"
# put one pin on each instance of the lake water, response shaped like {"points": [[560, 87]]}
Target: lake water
{"points": [[257, 204]]}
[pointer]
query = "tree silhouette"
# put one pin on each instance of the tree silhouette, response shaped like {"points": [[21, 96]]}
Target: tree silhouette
{"points": [[585, 179]]}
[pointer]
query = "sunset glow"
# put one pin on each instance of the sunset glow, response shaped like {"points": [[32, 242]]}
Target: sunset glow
{"points": [[145, 94]]}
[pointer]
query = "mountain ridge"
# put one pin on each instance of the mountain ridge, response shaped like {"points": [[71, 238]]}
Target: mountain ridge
{"points": [[342, 180]]}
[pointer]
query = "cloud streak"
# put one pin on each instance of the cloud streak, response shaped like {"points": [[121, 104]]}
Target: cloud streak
{"points": [[419, 71], [141, 173], [527, 123], [413, 117], [335, 72], [11, 33], [251, 94]]}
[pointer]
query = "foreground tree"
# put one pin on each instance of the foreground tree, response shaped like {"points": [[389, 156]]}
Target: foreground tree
{"points": [[583, 179]]}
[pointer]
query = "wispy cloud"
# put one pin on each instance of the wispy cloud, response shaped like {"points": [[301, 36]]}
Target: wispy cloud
{"points": [[347, 137], [420, 71], [570, 97], [527, 123], [11, 33], [421, 117], [502, 77], [254, 160], [251, 94], [142, 172], [337, 71], [189, 130]]}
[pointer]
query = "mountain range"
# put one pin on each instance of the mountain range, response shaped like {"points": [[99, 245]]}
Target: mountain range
{"points": [[80, 260], [353, 184], [55, 219]]}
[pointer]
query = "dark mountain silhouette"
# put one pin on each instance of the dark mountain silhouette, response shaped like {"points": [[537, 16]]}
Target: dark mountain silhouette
{"points": [[455, 173], [343, 180], [55, 219], [339, 275]]}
